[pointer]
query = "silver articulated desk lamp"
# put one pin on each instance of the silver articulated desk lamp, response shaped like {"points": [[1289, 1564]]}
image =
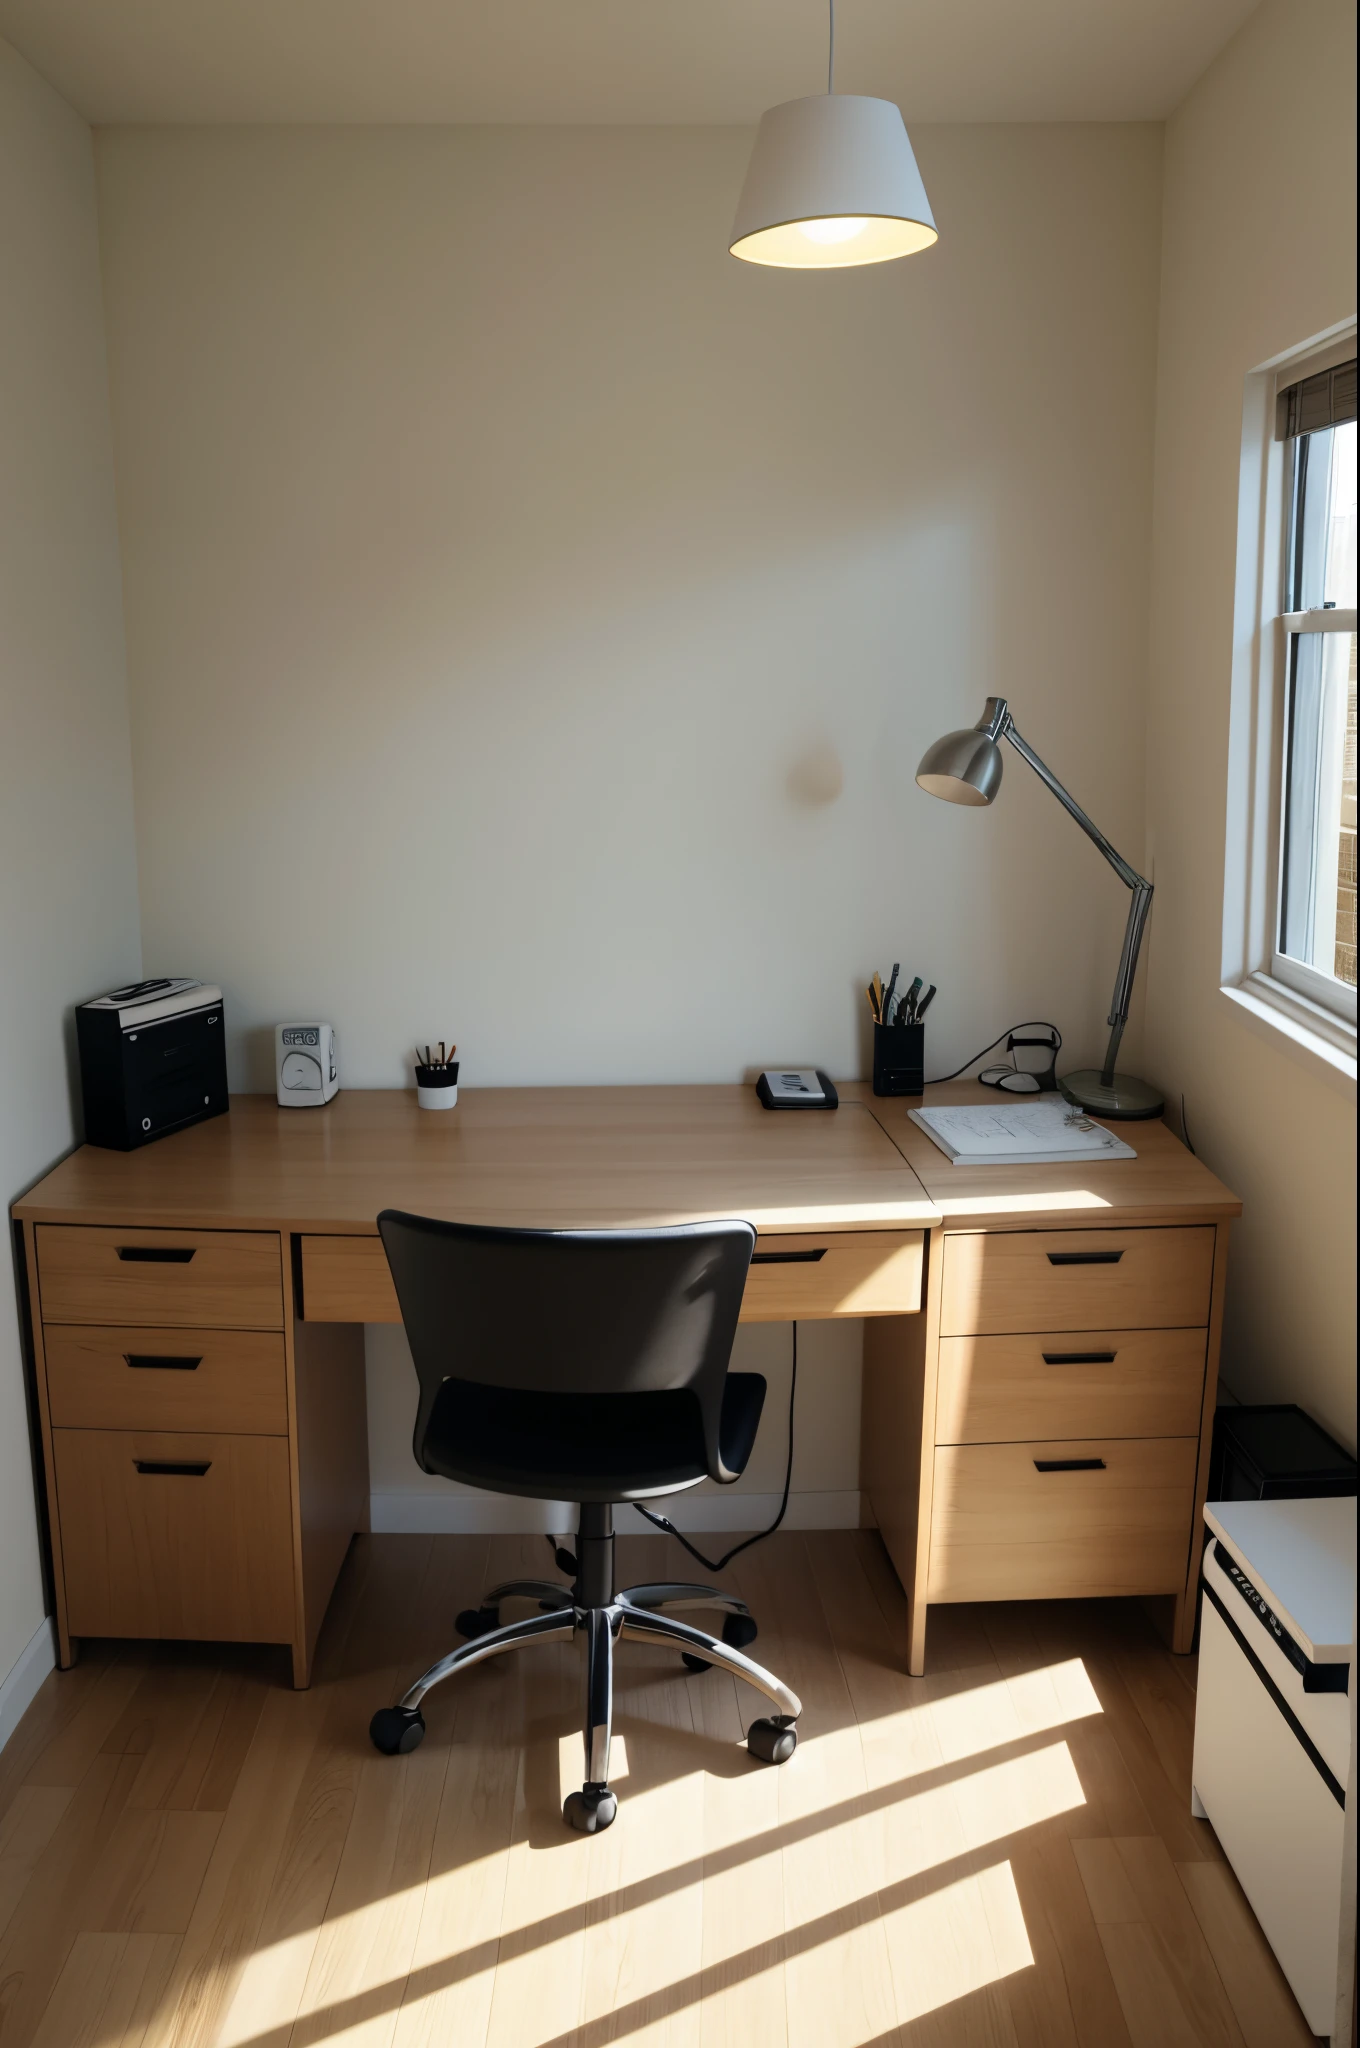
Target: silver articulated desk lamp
{"points": [[965, 768]]}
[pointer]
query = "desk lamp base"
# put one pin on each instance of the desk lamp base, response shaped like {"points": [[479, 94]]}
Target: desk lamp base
{"points": [[1124, 1099]]}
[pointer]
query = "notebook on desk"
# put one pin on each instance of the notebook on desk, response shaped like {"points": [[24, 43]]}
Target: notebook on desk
{"points": [[1019, 1134]]}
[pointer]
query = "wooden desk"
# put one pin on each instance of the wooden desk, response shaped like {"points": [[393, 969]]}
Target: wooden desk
{"points": [[198, 1312], [198, 1309]]}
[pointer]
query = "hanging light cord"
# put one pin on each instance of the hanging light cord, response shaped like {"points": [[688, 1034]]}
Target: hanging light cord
{"points": [[831, 49]]}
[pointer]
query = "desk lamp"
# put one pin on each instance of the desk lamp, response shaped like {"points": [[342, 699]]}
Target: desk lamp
{"points": [[965, 768]]}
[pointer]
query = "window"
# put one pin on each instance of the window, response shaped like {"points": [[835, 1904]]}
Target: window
{"points": [[1289, 897], [1316, 939]]}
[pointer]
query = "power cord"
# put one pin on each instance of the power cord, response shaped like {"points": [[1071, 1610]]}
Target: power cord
{"points": [[1185, 1132], [709, 1564], [1030, 1024]]}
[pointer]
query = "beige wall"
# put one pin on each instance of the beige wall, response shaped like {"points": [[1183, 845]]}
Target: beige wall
{"points": [[68, 885], [1258, 256], [535, 617]]}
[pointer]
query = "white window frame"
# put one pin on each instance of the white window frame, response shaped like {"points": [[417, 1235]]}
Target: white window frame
{"points": [[1297, 974], [1312, 1014]]}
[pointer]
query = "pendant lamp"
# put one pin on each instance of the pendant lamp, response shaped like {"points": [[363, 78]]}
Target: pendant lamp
{"points": [[832, 183]]}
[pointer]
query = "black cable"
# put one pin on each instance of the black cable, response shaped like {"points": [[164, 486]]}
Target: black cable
{"points": [[1030, 1024], [669, 1528]]}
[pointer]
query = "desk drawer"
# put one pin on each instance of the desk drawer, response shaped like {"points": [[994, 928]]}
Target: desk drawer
{"points": [[202, 1278], [851, 1273], [166, 1379], [1000, 1282], [175, 1535], [1100, 1383], [1117, 1520]]}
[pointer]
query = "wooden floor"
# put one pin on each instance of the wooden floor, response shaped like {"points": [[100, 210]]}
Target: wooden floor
{"points": [[1002, 1852]]}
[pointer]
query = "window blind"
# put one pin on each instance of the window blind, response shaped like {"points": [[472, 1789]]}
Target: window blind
{"points": [[1326, 400]]}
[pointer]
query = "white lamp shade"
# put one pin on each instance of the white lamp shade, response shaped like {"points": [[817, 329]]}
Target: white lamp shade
{"points": [[832, 182]]}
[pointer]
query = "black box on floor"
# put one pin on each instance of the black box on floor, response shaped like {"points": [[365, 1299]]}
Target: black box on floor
{"points": [[1275, 1452], [152, 1060]]}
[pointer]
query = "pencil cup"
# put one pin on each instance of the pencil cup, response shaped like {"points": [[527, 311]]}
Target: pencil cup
{"points": [[437, 1087], [899, 1059]]}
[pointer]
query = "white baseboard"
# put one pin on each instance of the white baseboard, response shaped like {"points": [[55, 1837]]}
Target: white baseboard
{"points": [[18, 1691], [414, 1512]]}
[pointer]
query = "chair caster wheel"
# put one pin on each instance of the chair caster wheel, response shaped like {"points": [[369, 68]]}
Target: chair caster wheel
{"points": [[396, 1731], [477, 1621], [773, 1740], [590, 1810]]}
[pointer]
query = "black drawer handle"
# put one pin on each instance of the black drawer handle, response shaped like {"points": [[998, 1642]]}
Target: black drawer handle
{"points": [[153, 1361], [156, 1254], [1084, 1258], [788, 1258], [1079, 1357], [1069, 1464], [173, 1468]]}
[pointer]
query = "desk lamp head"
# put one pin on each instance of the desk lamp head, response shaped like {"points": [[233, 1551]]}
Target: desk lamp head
{"points": [[965, 767]]}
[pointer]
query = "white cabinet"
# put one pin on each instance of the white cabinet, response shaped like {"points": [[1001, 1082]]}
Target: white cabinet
{"points": [[1273, 1724]]}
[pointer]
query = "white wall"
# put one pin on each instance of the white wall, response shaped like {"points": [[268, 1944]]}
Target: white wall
{"points": [[535, 617], [68, 884], [1258, 256]]}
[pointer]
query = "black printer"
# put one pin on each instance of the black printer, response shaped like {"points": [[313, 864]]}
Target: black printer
{"points": [[152, 1059]]}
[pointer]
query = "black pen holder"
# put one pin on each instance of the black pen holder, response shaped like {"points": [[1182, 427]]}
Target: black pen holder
{"points": [[899, 1059]]}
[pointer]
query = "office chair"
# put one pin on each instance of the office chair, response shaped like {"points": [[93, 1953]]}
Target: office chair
{"points": [[588, 1366]]}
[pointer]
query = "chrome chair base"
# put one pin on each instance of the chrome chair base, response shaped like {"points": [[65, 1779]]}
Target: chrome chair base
{"points": [[642, 1614]]}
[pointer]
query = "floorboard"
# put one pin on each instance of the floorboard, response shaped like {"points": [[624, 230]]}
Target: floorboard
{"points": [[192, 1855]]}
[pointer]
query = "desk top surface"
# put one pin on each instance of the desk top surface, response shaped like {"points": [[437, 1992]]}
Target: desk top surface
{"points": [[568, 1157], [583, 1157], [1164, 1184]]}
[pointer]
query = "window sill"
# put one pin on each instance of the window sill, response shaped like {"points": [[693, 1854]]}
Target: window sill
{"points": [[1324, 1042]]}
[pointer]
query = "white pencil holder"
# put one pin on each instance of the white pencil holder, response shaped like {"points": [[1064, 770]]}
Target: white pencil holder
{"points": [[437, 1087]]}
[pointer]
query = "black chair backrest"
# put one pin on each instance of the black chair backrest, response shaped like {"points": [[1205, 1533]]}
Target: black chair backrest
{"points": [[571, 1311]]}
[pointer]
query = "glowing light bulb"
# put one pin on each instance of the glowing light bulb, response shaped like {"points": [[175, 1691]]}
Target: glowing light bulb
{"points": [[841, 229]]}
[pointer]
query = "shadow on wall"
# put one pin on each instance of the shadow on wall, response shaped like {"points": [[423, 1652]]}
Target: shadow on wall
{"points": [[817, 777]]}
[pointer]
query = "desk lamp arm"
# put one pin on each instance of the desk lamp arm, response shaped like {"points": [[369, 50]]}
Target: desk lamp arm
{"points": [[997, 722]]}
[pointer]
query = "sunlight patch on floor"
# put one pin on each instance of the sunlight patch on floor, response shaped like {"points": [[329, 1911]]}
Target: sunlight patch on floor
{"points": [[956, 1940], [985, 1716], [949, 1721], [269, 1988], [925, 1829], [638, 1885]]}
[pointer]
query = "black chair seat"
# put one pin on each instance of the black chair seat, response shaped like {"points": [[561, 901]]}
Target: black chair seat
{"points": [[585, 1447]]}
